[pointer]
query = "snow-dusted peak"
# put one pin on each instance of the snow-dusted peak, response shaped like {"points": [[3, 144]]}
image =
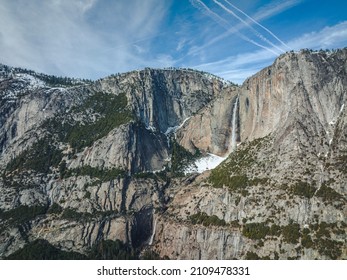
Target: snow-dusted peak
{"points": [[32, 81]]}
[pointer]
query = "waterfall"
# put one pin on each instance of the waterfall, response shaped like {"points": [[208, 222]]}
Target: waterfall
{"points": [[153, 232], [234, 126]]}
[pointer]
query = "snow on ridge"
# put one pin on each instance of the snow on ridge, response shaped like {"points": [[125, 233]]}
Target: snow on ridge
{"points": [[23, 83], [33, 82], [212, 77]]}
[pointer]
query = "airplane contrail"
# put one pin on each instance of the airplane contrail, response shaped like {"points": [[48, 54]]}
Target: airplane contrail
{"points": [[270, 11], [221, 21], [257, 23], [247, 24]]}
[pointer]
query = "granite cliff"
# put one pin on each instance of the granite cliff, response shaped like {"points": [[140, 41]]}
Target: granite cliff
{"points": [[103, 166]]}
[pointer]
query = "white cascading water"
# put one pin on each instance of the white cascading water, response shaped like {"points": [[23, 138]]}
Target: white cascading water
{"points": [[153, 232], [234, 125]]}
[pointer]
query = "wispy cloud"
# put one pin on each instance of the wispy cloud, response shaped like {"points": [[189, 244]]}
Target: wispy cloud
{"points": [[181, 44], [94, 38], [248, 25], [86, 5], [329, 37], [275, 8], [256, 23], [165, 60], [238, 67], [78, 38], [272, 9], [226, 24]]}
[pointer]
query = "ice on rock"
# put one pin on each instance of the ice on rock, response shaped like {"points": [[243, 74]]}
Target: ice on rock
{"points": [[342, 107], [173, 129]]}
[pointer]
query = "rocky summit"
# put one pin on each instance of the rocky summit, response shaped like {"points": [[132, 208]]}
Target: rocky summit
{"points": [[176, 163]]}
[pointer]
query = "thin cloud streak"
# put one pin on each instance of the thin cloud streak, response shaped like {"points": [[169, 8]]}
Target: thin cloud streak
{"points": [[225, 24], [267, 11], [257, 23], [275, 8], [94, 38], [76, 38], [239, 67], [328, 37], [260, 36]]}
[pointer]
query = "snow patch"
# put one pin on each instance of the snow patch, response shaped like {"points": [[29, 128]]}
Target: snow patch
{"points": [[10, 95], [33, 82], [158, 170], [208, 162]]}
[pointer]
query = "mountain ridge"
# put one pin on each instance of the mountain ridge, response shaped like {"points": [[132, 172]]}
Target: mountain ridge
{"points": [[110, 156]]}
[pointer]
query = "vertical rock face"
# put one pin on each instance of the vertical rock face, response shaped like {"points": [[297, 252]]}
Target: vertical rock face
{"points": [[78, 166], [299, 101], [86, 162], [286, 175], [159, 100], [295, 87], [164, 98], [130, 147], [210, 129], [25, 103]]}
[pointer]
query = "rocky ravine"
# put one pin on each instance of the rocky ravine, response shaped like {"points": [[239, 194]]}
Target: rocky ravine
{"points": [[87, 163]]}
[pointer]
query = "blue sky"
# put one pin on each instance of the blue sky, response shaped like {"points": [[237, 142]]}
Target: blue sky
{"points": [[229, 38]]}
